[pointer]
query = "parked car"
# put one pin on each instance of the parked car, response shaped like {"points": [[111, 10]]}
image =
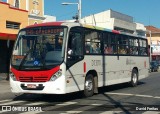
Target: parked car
{"points": [[158, 62], [154, 66]]}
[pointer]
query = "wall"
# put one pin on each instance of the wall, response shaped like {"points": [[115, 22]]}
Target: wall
{"points": [[32, 21], [8, 13], [36, 7], [154, 37]]}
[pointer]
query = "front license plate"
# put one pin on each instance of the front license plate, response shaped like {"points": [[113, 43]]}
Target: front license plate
{"points": [[31, 86]]}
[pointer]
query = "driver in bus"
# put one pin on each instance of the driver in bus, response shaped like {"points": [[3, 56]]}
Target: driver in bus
{"points": [[59, 43], [60, 40]]}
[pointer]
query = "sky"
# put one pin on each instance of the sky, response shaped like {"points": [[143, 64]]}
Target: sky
{"points": [[146, 12]]}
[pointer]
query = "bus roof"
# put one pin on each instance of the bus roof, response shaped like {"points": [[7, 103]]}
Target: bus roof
{"points": [[45, 24], [83, 25]]}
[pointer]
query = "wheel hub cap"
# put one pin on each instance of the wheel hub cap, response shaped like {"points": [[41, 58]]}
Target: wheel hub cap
{"points": [[89, 85]]}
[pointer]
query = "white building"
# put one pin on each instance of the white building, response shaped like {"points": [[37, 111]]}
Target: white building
{"points": [[114, 20], [49, 18], [141, 29]]}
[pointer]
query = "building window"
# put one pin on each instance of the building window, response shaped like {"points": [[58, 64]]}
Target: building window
{"points": [[12, 25], [17, 3]]}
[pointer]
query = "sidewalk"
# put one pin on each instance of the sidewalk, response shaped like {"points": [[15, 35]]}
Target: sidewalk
{"points": [[5, 89], [3, 76]]}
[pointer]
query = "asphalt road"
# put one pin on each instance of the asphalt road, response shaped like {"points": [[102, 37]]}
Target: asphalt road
{"points": [[119, 98]]}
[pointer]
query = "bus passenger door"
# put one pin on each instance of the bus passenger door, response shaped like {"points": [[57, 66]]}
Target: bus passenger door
{"points": [[74, 63]]}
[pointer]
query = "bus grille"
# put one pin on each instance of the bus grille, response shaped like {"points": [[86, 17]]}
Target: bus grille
{"points": [[33, 79]]}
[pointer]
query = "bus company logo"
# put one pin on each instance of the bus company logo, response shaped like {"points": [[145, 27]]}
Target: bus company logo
{"points": [[36, 63]]}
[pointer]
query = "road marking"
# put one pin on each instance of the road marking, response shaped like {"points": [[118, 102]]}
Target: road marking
{"points": [[12, 102], [137, 95], [96, 104], [36, 103], [5, 100], [67, 103], [31, 112], [151, 112], [118, 93], [143, 95], [156, 97], [111, 112], [3, 112]]}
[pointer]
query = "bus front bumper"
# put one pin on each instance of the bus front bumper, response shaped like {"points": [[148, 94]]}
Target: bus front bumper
{"points": [[50, 87]]}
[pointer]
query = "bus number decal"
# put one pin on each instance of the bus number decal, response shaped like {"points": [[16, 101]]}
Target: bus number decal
{"points": [[96, 62]]}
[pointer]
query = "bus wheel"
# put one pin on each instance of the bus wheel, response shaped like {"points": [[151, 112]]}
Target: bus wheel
{"points": [[134, 78], [89, 86]]}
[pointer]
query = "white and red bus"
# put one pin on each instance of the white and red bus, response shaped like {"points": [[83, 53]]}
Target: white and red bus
{"points": [[61, 57]]}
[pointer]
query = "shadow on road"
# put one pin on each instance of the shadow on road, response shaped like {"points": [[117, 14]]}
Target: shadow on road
{"points": [[117, 87], [70, 96]]}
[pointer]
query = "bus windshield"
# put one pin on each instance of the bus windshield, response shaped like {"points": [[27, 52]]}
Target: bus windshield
{"points": [[39, 48]]}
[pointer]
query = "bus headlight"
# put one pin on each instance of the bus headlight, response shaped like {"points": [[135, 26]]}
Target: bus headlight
{"points": [[12, 76], [56, 75]]}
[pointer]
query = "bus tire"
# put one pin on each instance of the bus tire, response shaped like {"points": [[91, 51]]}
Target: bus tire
{"points": [[89, 86], [134, 78]]}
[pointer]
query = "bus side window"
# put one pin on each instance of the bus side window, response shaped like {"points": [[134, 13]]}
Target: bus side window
{"points": [[110, 43], [96, 48], [143, 47], [92, 42], [108, 49]]}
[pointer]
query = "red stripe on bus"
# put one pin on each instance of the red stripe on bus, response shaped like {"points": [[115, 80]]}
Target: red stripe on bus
{"points": [[34, 76], [84, 67], [145, 64], [115, 31]]}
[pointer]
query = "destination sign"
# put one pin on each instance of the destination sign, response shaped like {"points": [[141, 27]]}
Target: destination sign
{"points": [[44, 31]]}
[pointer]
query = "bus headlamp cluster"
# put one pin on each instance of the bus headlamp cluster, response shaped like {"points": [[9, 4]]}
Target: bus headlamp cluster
{"points": [[56, 75], [12, 76]]}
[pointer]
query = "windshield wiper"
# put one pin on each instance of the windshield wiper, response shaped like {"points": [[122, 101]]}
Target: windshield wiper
{"points": [[23, 60], [43, 60]]}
